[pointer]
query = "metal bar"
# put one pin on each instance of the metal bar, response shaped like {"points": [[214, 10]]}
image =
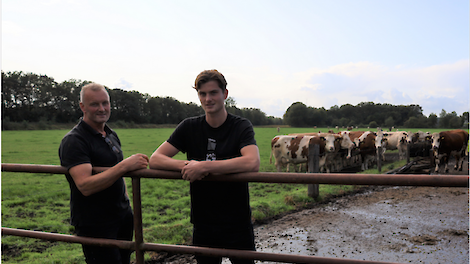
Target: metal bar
{"points": [[180, 249], [263, 256], [102, 242], [282, 177], [138, 230]]}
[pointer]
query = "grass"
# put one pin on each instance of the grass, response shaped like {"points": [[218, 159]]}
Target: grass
{"points": [[41, 201]]}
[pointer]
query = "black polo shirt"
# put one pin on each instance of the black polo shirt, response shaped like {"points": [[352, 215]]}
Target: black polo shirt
{"points": [[82, 145]]}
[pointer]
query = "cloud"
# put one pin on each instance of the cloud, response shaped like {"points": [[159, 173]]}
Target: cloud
{"points": [[123, 84], [11, 28], [433, 88]]}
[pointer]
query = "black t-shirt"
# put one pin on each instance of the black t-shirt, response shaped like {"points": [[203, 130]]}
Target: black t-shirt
{"points": [[216, 203], [83, 145]]}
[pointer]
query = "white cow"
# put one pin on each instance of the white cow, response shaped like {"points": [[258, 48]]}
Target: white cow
{"points": [[395, 140]]}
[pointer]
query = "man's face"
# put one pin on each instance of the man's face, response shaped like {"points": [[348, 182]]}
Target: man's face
{"points": [[95, 107], [212, 97]]}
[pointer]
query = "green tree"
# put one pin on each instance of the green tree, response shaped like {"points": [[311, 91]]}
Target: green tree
{"points": [[455, 122], [230, 102], [373, 125], [445, 119], [389, 122], [296, 115], [432, 120], [465, 119]]}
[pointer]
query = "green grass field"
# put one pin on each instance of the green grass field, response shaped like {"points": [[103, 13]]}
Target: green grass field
{"points": [[41, 201]]}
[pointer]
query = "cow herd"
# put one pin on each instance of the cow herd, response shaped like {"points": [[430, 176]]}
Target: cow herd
{"points": [[347, 148]]}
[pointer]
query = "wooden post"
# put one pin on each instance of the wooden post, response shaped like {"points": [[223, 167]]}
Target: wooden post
{"points": [[379, 158], [313, 167], [138, 231], [408, 150]]}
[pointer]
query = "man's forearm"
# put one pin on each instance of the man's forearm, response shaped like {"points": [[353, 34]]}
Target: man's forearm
{"points": [[162, 162]]}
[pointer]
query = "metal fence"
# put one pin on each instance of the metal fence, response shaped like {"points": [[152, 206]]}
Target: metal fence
{"points": [[304, 178]]}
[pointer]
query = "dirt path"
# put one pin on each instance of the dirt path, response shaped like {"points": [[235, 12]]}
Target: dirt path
{"points": [[400, 224]]}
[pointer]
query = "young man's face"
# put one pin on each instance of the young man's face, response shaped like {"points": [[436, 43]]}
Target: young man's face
{"points": [[96, 107], [212, 97]]}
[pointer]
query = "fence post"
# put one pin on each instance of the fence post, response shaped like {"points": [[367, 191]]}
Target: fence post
{"points": [[380, 156], [408, 150], [138, 231], [313, 167]]}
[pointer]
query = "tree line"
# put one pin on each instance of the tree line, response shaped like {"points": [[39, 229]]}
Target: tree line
{"points": [[29, 97], [369, 114]]}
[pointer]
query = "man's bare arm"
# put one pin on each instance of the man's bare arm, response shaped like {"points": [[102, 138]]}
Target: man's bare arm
{"points": [[162, 158], [88, 184], [249, 161]]}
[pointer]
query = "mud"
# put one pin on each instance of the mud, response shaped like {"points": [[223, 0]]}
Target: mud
{"points": [[390, 224], [400, 224]]}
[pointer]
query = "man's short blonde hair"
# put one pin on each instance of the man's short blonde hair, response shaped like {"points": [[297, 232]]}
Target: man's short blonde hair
{"points": [[91, 86]]}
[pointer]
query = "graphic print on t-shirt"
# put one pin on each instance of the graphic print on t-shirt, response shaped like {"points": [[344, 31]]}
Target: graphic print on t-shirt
{"points": [[211, 143]]}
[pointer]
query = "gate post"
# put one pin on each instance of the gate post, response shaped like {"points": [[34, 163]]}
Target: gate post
{"points": [[138, 231], [380, 156], [313, 167], [408, 150]]}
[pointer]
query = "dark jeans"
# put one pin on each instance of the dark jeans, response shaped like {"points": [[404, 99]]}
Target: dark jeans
{"points": [[223, 237], [122, 230]]}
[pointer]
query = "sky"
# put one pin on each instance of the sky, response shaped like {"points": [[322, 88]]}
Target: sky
{"points": [[272, 53]]}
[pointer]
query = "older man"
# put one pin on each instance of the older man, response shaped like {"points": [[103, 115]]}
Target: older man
{"points": [[99, 203]]}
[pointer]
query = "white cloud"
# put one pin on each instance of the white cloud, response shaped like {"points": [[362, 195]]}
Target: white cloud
{"points": [[123, 84], [353, 83], [11, 29]]}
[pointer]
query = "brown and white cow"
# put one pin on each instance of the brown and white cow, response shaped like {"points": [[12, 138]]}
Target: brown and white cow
{"points": [[344, 140], [448, 143], [337, 156], [291, 149], [365, 142]]}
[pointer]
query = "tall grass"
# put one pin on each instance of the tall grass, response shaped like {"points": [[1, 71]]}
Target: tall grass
{"points": [[41, 201]]}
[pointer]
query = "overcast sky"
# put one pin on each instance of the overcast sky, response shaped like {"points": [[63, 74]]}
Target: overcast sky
{"points": [[272, 53]]}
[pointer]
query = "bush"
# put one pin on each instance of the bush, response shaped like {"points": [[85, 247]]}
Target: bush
{"points": [[373, 124]]}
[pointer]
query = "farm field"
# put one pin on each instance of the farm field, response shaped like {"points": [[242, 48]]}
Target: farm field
{"points": [[41, 201]]}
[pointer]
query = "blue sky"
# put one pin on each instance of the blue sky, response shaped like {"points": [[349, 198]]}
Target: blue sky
{"points": [[272, 53]]}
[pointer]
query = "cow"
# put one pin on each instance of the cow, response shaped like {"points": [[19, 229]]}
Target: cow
{"points": [[380, 144], [365, 142], [447, 143], [293, 149], [392, 141], [415, 137], [419, 143], [344, 140]]}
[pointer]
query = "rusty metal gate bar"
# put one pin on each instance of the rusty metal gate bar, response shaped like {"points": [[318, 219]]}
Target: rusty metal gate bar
{"points": [[278, 177], [140, 247], [287, 258]]}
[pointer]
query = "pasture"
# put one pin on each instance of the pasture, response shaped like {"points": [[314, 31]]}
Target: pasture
{"points": [[41, 201]]}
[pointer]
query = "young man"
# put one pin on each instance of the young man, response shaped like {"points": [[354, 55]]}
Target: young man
{"points": [[216, 143], [99, 204]]}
